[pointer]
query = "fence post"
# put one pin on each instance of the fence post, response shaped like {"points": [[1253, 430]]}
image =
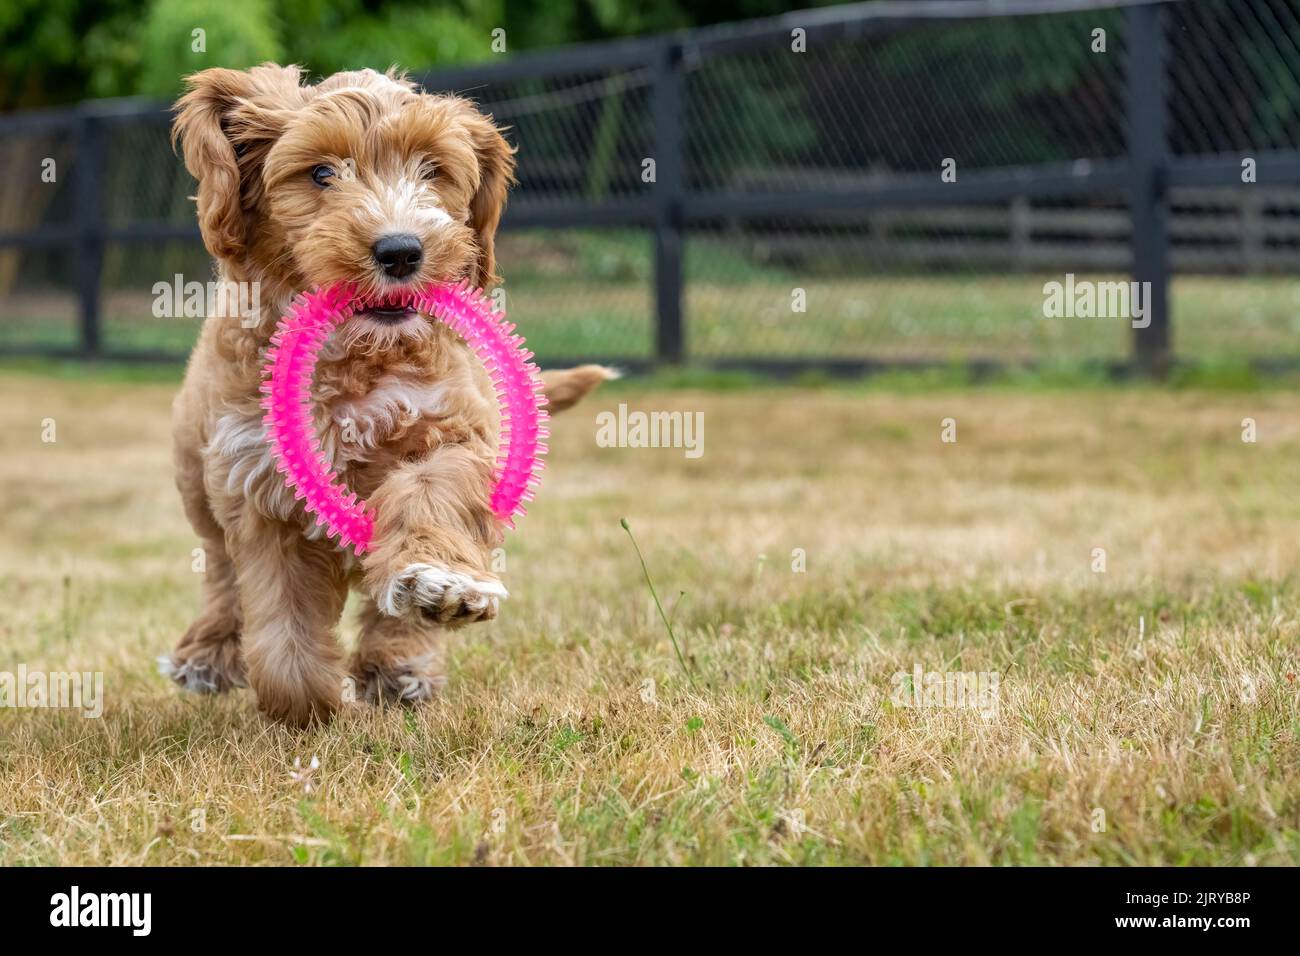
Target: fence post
{"points": [[669, 188], [1148, 197], [87, 169]]}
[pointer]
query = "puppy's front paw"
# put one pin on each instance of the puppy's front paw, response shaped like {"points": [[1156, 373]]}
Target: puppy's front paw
{"points": [[213, 668], [440, 594]]}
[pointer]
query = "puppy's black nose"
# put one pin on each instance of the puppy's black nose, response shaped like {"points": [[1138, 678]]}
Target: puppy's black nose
{"points": [[398, 255]]}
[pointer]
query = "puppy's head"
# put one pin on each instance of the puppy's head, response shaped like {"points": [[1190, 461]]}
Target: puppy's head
{"points": [[359, 179]]}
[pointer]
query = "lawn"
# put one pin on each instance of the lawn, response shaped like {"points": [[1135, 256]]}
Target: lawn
{"points": [[734, 313], [826, 542]]}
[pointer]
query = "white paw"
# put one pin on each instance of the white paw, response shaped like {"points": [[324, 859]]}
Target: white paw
{"points": [[196, 678], [441, 594]]}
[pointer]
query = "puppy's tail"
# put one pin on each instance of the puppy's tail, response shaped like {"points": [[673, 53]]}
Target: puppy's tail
{"points": [[567, 386]]}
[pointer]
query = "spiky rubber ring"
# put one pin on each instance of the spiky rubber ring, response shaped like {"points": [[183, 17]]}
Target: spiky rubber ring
{"points": [[290, 425]]}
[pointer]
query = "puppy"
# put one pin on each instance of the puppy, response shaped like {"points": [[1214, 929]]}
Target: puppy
{"points": [[360, 178]]}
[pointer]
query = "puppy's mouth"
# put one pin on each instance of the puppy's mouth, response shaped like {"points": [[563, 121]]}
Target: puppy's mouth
{"points": [[393, 309], [393, 315]]}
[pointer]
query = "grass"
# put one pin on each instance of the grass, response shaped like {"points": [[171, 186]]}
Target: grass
{"points": [[1145, 715], [577, 303]]}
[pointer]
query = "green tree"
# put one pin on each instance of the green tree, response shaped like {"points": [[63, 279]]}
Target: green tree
{"points": [[183, 36], [331, 35], [61, 51]]}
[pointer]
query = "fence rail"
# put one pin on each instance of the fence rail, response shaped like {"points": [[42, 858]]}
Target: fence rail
{"points": [[792, 157]]}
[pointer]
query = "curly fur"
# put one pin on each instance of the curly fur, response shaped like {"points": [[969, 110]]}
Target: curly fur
{"points": [[405, 410]]}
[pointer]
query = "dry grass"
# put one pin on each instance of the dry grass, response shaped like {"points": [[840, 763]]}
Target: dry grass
{"points": [[976, 556]]}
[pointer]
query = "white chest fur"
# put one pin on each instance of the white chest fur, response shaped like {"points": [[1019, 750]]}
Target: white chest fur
{"points": [[240, 462], [392, 406]]}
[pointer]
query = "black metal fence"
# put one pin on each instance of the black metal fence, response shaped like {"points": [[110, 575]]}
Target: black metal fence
{"points": [[876, 184]]}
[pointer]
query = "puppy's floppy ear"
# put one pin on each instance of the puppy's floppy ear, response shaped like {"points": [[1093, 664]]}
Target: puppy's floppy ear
{"points": [[496, 160], [225, 123]]}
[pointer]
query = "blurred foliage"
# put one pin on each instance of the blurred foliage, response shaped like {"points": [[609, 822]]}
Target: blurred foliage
{"points": [[242, 34], [61, 51], [1012, 73]]}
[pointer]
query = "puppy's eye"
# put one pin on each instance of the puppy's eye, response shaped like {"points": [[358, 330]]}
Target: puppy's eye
{"points": [[322, 175], [428, 171]]}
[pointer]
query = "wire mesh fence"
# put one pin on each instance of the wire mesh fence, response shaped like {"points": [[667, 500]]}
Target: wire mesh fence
{"points": [[887, 182]]}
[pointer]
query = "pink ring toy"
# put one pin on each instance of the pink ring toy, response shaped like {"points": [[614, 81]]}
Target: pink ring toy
{"points": [[290, 427]]}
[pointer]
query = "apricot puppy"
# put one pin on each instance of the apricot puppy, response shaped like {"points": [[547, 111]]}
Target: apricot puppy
{"points": [[360, 178]]}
